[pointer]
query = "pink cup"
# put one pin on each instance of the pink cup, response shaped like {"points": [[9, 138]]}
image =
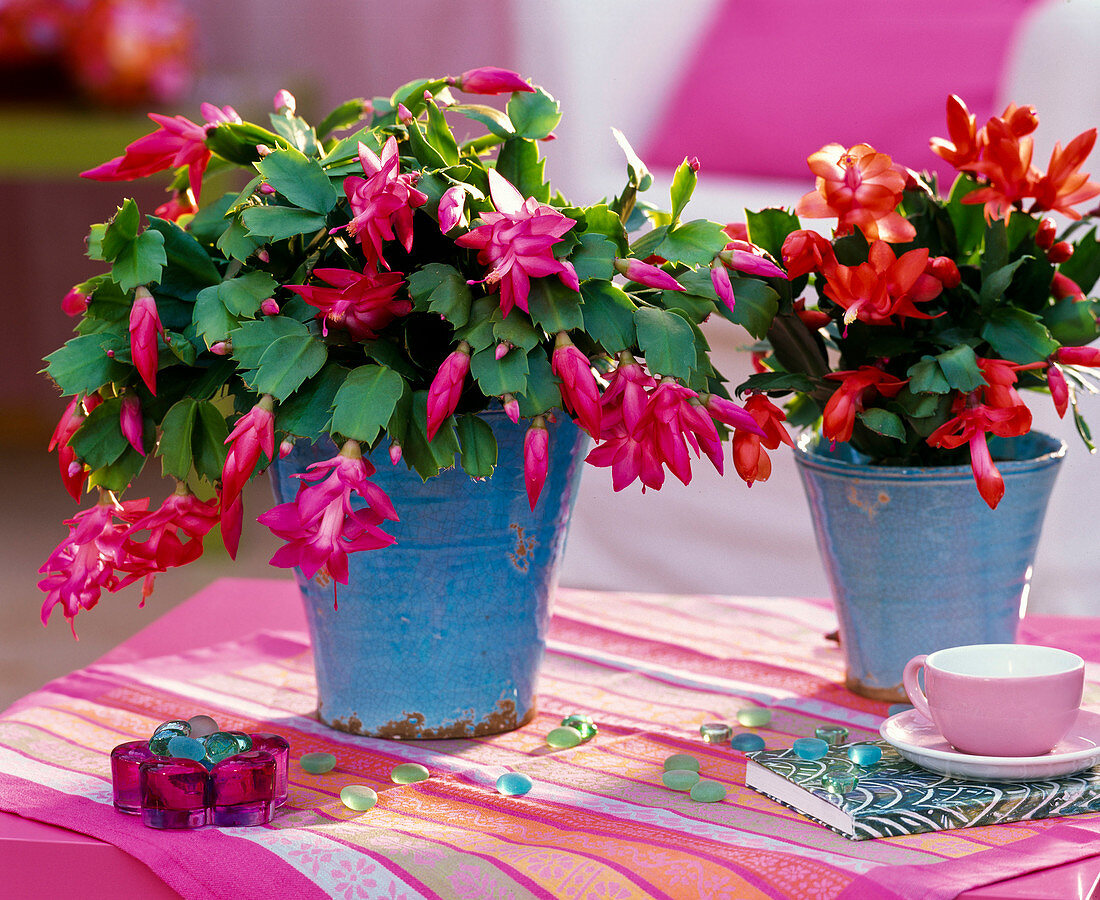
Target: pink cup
{"points": [[998, 699]]}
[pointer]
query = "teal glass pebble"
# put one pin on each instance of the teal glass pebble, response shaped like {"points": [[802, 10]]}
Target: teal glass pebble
{"points": [[317, 763], [514, 784], [839, 781], [408, 773], [681, 761], [715, 732], [754, 716], [831, 734], [680, 779], [358, 797], [175, 726], [182, 747], [563, 737], [865, 754], [220, 745], [746, 742], [583, 723], [810, 748], [158, 743], [244, 741], [202, 726], [707, 791]]}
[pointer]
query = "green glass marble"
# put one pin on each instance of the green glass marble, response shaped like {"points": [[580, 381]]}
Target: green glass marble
{"points": [[831, 734], [681, 761], [220, 745], [158, 743], [358, 797], [754, 716], [680, 779], [244, 742], [715, 732], [317, 763], [839, 781], [514, 784], [173, 726], [583, 724], [408, 773], [707, 791], [563, 737]]}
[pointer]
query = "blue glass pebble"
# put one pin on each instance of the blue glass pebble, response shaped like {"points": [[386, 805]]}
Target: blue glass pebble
{"points": [[832, 734], [810, 748], [182, 747], [896, 708], [746, 742], [514, 784], [864, 754]]}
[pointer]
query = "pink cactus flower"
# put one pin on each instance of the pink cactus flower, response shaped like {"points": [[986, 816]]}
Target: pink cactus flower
{"points": [[144, 327], [253, 434], [180, 204], [729, 413], [382, 204], [749, 459], [231, 515], [361, 303], [742, 256], [723, 287], [284, 102], [321, 526], [72, 471], [1059, 389], [285, 449], [269, 307], [74, 303], [395, 453], [516, 241], [221, 348], [490, 80], [452, 208], [644, 273], [89, 559], [511, 408], [1077, 356], [177, 142], [446, 387], [131, 423], [626, 395], [502, 350], [536, 458], [579, 391]]}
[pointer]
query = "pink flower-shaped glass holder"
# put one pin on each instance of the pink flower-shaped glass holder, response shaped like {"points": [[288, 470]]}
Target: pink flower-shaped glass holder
{"points": [[125, 760], [278, 747], [242, 789], [174, 793]]}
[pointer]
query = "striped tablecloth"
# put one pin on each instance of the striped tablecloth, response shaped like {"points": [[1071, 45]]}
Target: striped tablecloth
{"points": [[650, 669]]}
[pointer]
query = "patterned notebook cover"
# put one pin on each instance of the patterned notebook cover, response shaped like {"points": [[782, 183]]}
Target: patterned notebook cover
{"points": [[896, 797]]}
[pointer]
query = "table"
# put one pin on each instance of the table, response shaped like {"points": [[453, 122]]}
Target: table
{"points": [[650, 669]]}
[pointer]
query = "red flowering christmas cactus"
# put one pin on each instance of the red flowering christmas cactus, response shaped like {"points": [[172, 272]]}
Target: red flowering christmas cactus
{"points": [[379, 279], [929, 314]]}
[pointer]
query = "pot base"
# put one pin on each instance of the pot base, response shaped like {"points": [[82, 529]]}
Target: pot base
{"points": [[411, 727], [894, 694]]}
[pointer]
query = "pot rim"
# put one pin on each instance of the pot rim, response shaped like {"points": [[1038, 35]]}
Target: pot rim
{"points": [[806, 456]]}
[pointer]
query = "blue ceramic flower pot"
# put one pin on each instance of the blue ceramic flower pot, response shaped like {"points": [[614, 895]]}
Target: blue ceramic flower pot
{"points": [[441, 635], [916, 560]]}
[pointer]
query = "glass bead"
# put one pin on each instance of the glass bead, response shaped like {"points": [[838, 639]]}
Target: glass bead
{"points": [[514, 784], [680, 779], [839, 781], [754, 716], [865, 754], [242, 789], [715, 732], [173, 726], [408, 773], [358, 797], [180, 747], [244, 741], [158, 743], [201, 726], [832, 734], [707, 791], [747, 742], [681, 761], [896, 708], [317, 763], [810, 748], [125, 781], [174, 793], [220, 745], [583, 724], [279, 748], [563, 737]]}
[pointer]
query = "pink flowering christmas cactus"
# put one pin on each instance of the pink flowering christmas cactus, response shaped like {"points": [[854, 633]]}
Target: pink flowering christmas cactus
{"points": [[392, 278]]}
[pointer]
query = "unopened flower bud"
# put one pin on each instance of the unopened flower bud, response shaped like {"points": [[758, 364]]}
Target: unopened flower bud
{"points": [[395, 453], [284, 102], [263, 150], [263, 256], [269, 307], [266, 188], [1045, 234], [693, 163], [502, 350], [220, 348], [1060, 252], [403, 114], [74, 303], [285, 448], [550, 137], [110, 354], [511, 408], [944, 269]]}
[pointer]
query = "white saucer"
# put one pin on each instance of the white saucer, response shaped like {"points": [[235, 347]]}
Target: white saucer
{"points": [[918, 740]]}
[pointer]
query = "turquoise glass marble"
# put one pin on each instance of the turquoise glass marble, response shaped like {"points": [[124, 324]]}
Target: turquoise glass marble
{"points": [[839, 781], [832, 734], [563, 737], [681, 761], [707, 791], [514, 784], [244, 741], [746, 742], [810, 748], [754, 716], [408, 773], [173, 726], [180, 747], [220, 745], [317, 763], [358, 797], [715, 732], [680, 779], [583, 724], [864, 754]]}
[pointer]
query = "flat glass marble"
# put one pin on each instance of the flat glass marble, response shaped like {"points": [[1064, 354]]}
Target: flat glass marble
{"points": [[358, 797], [583, 724], [810, 748], [563, 737], [408, 773], [514, 784], [747, 742], [680, 779], [839, 781], [864, 754], [317, 763], [715, 732], [220, 745], [754, 716], [707, 791], [832, 734], [681, 761], [173, 726], [180, 747], [244, 741], [201, 726]]}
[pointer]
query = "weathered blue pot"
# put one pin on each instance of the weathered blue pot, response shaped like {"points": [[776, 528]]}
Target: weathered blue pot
{"points": [[442, 634], [916, 560]]}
